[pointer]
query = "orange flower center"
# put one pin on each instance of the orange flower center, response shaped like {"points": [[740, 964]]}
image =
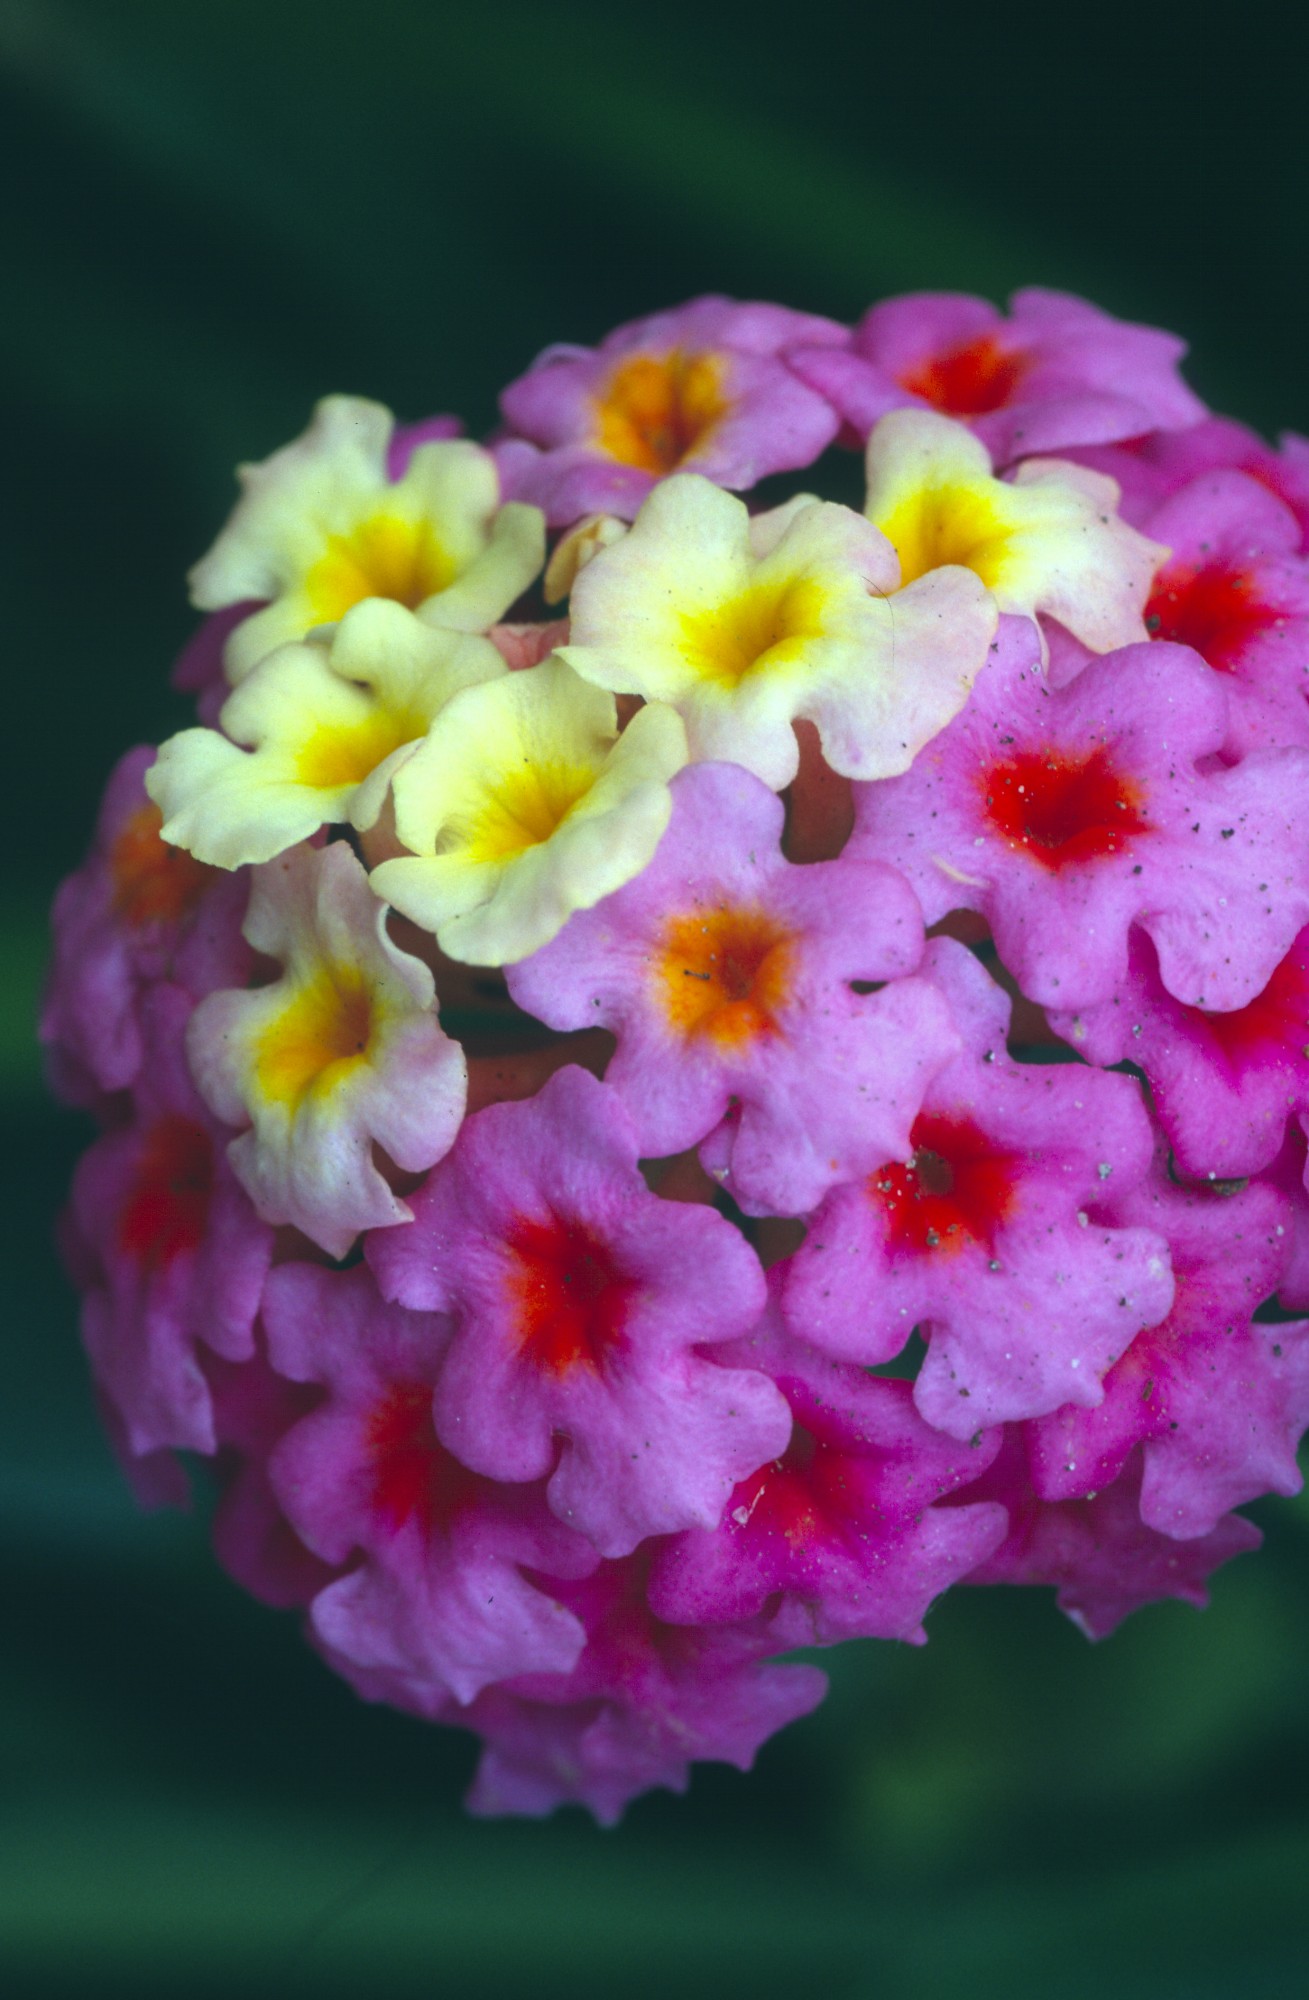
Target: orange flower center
{"points": [[725, 974], [153, 882], [656, 408]]}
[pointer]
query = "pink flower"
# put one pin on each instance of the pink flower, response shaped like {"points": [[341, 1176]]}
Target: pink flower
{"points": [[1058, 372], [732, 977], [580, 1303], [1176, 457], [842, 1527], [1237, 591], [435, 1586], [1067, 816], [985, 1237], [253, 1409], [699, 389], [1223, 1085], [180, 1255], [1098, 1553], [645, 1699], [1218, 1400], [136, 912]]}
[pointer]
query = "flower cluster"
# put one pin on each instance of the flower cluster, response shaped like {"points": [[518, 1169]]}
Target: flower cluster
{"points": [[676, 1076]]}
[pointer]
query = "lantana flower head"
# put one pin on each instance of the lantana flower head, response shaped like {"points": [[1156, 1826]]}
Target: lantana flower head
{"points": [[799, 1057]]}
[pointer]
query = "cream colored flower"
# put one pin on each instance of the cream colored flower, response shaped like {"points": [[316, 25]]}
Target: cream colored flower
{"points": [[325, 725], [340, 1055], [745, 626], [320, 527], [523, 805], [1051, 540]]}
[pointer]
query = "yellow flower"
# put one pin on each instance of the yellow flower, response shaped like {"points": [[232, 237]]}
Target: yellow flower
{"points": [[745, 626], [340, 1055], [320, 528], [326, 725], [1051, 540], [524, 804]]}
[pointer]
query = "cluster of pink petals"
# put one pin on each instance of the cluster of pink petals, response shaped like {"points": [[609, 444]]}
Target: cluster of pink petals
{"points": [[894, 1184]]}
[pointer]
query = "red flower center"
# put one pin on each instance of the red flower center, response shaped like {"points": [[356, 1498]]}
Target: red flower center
{"points": [[414, 1477], [1275, 1021], [1215, 608], [966, 381], [816, 1491], [1063, 809], [168, 1207], [956, 1190], [570, 1299]]}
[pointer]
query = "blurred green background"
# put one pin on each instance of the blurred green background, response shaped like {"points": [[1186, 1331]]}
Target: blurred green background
{"points": [[211, 214]]}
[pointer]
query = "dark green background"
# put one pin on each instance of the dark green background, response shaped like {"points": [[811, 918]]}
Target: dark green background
{"points": [[211, 214]]}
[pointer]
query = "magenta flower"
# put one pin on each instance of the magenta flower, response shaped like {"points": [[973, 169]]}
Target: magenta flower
{"points": [[1066, 817], [1219, 1400], [1102, 1559], [839, 1537], [645, 1699], [436, 1585], [700, 389], [254, 1407], [1174, 458], [732, 977], [180, 1256], [1236, 590], [580, 1301], [1223, 1085], [1057, 372], [985, 1237], [135, 913]]}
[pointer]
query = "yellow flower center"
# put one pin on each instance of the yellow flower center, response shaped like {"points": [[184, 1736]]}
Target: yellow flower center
{"points": [[387, 556], [655, 409], [517, 810], [320, 1038], [333, 757], [948, 524], [767, 626]]}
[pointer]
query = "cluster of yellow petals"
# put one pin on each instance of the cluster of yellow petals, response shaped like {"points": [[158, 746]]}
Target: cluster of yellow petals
{"points": [[497, 801]]}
